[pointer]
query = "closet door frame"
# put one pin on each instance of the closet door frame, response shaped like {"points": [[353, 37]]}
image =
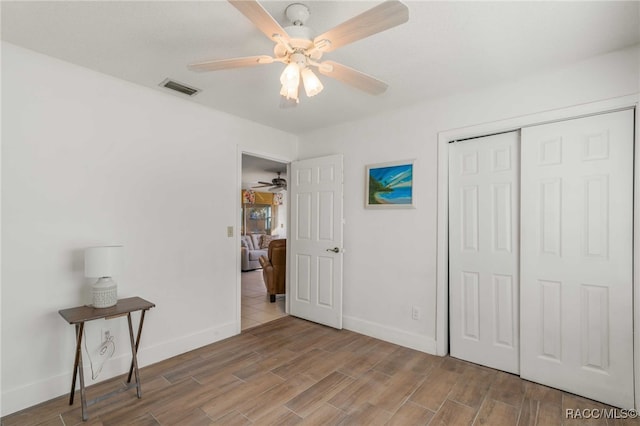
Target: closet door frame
{"points": [[512, 124]]}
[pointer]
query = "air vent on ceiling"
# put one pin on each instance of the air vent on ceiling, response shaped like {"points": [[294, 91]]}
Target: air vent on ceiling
{"points": [[179, 87]]}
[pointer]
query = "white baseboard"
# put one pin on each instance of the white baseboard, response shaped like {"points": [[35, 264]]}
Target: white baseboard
{"points": [[37, 392], [34, 393], [407, 339], [164, 350]]}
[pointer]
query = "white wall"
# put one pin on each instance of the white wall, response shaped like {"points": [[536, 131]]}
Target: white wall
{"points": [[89, 160], [390, 262]]}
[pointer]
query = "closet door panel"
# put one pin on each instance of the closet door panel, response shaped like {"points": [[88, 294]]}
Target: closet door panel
{"points": [[483, 251], [576, 256]]}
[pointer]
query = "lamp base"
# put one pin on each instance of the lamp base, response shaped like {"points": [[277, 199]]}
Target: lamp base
{"points": [[105, 293]]}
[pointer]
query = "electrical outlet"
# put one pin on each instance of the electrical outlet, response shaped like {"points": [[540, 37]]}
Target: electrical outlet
{"points": [[415, 313], [229, 231]]}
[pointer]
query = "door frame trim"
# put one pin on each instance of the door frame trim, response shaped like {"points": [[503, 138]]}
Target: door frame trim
{"points": [[516, 123]]}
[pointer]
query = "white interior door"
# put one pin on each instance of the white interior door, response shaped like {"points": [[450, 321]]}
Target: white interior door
{"points": [[576, 269], [315, 285], [483, 250]]}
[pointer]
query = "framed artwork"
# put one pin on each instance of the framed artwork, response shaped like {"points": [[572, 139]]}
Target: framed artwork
{"points": [[248, 196], [390, 185]]}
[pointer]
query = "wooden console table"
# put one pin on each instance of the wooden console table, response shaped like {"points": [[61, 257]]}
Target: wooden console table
{"points": [[81, 314]]}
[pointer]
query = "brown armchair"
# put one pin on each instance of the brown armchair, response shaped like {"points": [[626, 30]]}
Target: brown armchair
{"points": [[274, 268]]}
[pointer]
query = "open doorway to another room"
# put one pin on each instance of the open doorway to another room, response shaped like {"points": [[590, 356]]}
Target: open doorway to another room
{"points": [[264, 223]]}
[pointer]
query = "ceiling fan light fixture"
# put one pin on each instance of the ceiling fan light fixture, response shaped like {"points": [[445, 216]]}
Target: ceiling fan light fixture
{"points": [[312, 84], [290, 93], [287, 103], [296, 47], [291, 75], [290, 79]]}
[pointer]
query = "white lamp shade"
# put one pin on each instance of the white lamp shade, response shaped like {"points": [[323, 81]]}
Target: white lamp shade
{"points": [[290, 77], [102, 261], [312, 84], [290, 93]]}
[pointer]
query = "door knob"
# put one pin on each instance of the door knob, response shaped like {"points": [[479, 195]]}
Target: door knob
{"points": [[335, 250]]}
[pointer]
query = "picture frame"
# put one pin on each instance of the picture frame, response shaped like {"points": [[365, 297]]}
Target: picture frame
{"points": [[390, 185]]}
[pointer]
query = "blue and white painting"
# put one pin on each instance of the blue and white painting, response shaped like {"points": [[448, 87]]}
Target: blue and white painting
{"points": [[390, 185]]}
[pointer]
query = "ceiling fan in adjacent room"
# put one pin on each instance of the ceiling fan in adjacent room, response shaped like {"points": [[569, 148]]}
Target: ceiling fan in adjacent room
{"points": [[277, 184], [301, 51]]}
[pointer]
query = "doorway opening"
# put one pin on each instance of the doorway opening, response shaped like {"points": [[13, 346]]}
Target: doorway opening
{"points": [[264, 219]]}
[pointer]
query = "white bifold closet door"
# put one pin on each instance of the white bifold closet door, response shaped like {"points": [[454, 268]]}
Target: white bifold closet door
{"points": [[541, 254], [483, 250], [576, 256]]}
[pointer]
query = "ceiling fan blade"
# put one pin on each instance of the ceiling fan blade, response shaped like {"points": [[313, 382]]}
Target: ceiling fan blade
{"points": [[379, 18], [265, 183], [260, 18], [223, 64], [352, 77]]}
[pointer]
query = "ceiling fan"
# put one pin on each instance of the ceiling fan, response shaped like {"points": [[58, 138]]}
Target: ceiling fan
{"points": [[277, 184], [296, 47]]}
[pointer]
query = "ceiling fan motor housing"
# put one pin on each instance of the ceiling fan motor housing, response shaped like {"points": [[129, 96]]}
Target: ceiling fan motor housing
{"points": [[300, 39], [299, 59], [300, 36]]}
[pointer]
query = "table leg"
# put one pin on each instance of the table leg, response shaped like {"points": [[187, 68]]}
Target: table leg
{"points": [[83, 395], [79, 331], [137, 342], [134, 360], [78, 370]]}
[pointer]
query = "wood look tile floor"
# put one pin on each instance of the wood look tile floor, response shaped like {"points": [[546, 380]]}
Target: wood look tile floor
{"points": [[290, 371], [256, 308]]}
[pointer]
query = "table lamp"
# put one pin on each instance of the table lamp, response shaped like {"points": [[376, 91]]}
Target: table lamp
{"points": [[103, 263]]}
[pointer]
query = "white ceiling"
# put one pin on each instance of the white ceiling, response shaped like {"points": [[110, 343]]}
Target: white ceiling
{"points": [[256, 169], [446, 47]]}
